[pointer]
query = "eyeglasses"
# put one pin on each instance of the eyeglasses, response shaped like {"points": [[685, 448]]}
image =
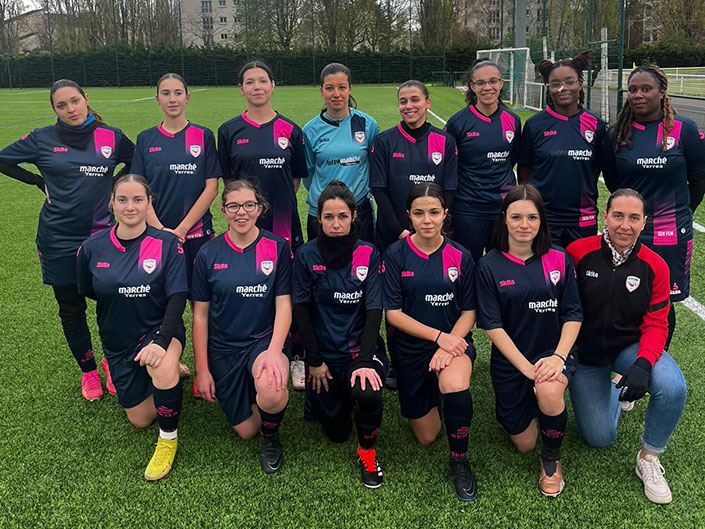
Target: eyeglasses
{"points": [[481, 84], [234, 207], [556, 85]]}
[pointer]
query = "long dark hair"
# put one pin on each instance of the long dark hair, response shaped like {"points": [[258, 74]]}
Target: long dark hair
{"points": [[332, 69], [623, 128], [578, 63], [64, 83], [470, 96], [542, 242], [337, 190]]}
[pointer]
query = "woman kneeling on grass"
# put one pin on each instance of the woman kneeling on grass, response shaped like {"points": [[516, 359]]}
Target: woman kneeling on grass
{"points": [[137, 274], [242, 314], [338, 310], [527, 300], [429, 296], [624, 287]]}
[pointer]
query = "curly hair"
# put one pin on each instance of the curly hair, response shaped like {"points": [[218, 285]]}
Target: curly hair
{"points": [[623, 128], [578, 63]]}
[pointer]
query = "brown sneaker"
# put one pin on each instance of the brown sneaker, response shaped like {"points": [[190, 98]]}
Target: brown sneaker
{"points": [[551, 486]]}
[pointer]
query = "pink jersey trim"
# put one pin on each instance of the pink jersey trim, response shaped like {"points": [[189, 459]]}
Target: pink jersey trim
{"points": [[104, 138], [436, 143], [551, 262], [415, 249], [405, 134], [231, 243], [266, 256], [479, 114], [282, 129], [166, 133], [513, 259], [637, 126], [508, 125], [150, 248], [675, 134], [361, 257], [556, 114], [114, 239], [587, 122], [248, 120], [452, 259], [195, 143]]}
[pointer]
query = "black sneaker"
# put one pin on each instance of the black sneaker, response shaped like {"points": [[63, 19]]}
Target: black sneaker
{"points": [[370, 470], [270, 454], [464, 479], [390, 382]]}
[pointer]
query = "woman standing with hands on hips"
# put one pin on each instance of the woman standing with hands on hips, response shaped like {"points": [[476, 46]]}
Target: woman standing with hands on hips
{"points": [[528, 302], [338, 143], [429, 298], [560, 151], [137, 274], [76, 158], [242, 314], [661, 155], [487, 135], [338, 310]]}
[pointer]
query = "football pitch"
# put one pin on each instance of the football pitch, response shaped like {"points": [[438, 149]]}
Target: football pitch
{"points": [[67, 462]]}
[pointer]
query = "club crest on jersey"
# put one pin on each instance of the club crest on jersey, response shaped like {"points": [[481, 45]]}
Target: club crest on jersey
{"points": [[453, 273], [437, 157], [670, 142], [195, 150], [555, 276], [283, 142], [632, 283], [589, 135], [361, 272], [106, 151], [266, 267], [149, 265], [509, 135], [360, 136]]}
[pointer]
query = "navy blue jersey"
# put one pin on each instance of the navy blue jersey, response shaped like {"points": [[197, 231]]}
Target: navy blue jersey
{"points": [[177, 167], [339, 297], [241, 285], [487, 151], [562, 153], [132, 285], [273, 154], [433, 289], [663, 178], [79, 182], [398, 162], [530, 300], [338, 150]]}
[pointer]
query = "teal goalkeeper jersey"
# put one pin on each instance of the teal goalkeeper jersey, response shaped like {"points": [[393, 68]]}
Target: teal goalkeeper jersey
{"points": [[338, 150]]}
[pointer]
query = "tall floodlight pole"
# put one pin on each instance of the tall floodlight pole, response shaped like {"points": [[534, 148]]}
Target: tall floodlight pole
{"points": [[620, 52], [520, 24], [501, 23], [313, 45], [444, 35], [411, 57], [51, 43], [115, 44], [181, 42]]}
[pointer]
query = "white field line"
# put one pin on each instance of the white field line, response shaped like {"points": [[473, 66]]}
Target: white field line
{"points": [[152, 97], [439, 118]]}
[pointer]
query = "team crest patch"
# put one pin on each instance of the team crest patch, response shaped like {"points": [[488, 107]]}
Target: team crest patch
{"points": [[106, 151], [453, 273], [632, 283], [555, 276], [195, 150], [589, 135], [509, 135], [283, 142], [670, 142], [360, 136], [361, 272], [266, 267], [437, 157], [149, 265]]}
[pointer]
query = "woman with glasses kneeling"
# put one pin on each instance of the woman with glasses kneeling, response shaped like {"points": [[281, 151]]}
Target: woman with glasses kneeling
{"points": [[624, 289]]}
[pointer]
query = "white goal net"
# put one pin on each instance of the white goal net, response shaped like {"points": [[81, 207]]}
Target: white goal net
{"points": [[519, 76]]}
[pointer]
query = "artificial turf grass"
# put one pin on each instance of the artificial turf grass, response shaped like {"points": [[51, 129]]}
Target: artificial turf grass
{"points": [[65, 462]]}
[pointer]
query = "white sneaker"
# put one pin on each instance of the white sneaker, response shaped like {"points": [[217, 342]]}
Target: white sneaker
{"points": [[626, 405], [650, 471], [298, 375]]}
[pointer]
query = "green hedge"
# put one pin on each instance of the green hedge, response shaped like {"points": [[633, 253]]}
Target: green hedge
{"points": [[219, 66], [667, 55]]}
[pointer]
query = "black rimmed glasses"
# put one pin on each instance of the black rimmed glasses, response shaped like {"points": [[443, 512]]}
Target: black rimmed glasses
{"points": [[234, 207]]}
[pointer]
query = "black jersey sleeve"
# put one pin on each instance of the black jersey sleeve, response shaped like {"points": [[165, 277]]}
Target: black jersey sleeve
{"points": [[525, 149], [450, 167], [451, 129], [137, 166], [599, 140], [570, 307], [388, 220], [608, 162], [282, 286], [391, 273], [224, 152], [213, 169], [694, 150], [18, 173], [467, 286], [298, 159], [24, 150], [515, 145], [489, 312], [200, 286], [370, 337], [125, 152], [379, 164], [84, 278], [175, 305]]}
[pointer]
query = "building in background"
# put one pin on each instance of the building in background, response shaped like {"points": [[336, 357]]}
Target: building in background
{"points": [[209, 22]]}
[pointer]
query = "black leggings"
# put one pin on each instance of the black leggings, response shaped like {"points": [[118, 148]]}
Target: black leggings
{"points": [[72, 312]]}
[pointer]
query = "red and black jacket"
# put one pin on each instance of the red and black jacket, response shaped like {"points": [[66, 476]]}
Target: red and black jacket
{"points": [[621, 305]]}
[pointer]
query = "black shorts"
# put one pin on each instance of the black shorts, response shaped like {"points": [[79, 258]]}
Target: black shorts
{"points": [[336, 404], [417, 386], [131, 380], [562, 236], [234, 384], [191, 247], [515, 400], [58, 271], [474, 234]]}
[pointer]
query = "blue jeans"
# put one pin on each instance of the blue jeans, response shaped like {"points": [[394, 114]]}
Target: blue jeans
{"points": [[597, 409]]}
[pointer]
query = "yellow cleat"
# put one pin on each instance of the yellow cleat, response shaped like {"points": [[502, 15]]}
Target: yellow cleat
{"points": [[160, 464]]}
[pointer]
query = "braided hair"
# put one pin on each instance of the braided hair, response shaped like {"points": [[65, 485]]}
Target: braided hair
{"points": [[623, 128], [578, 63], [470, 95]]}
